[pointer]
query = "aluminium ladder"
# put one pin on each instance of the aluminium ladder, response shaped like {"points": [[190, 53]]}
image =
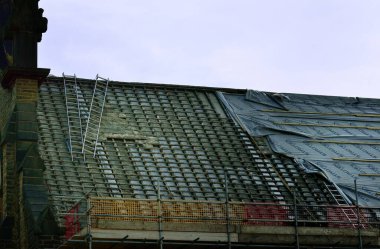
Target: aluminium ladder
{"points": [[94, 119], [350, 215], [91, 142], [84, 125], [334, 192], [75, 109]]}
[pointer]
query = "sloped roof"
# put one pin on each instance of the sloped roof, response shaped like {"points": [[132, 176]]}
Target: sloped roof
{"points": [[338, 137], [176, 137]]}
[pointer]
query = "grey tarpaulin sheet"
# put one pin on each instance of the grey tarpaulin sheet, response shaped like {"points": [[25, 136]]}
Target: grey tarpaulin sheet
{"points": [[338, 137]]}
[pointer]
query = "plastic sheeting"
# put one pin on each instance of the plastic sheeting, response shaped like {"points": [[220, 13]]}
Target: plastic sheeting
{"points": [[338, 137]]}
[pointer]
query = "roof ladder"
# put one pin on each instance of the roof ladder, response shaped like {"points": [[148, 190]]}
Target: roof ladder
{"points": [[348, 212], [74, 103], [335, 194], [91, 135]]}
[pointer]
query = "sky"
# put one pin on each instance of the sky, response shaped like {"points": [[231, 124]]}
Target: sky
{"points": [[328, 47]]}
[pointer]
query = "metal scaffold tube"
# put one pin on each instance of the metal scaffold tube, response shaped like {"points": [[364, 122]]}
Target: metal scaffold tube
{"points": [[89, 224], [159, 216], [227, 210], [165, 212], [358, 215], [296, 220]]}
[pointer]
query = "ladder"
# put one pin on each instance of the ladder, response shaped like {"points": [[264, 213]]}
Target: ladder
{"points": [[348, 214], [335, 194], [74, 104], [94, 119], [84, 138]]}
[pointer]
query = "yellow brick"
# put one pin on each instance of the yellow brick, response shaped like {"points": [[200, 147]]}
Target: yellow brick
{"points": [[26, 90]]}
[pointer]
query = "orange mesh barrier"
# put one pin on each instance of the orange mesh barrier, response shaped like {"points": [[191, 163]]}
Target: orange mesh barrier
{"points": [[239, 213], [168, 211], [124, 209]]}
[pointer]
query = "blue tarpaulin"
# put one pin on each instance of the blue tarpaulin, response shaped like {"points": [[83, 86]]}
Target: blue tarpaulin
{"points": [[337, 137]]}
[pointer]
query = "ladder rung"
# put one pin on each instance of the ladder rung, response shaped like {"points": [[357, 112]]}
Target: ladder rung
{"points": [[73, 112], [91, 128], [94, 116]]}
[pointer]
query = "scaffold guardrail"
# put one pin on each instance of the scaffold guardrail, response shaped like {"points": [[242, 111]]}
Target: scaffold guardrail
{"points": [[237, 213], [94, 213]]}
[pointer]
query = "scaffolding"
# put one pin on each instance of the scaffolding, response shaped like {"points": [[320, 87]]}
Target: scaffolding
{"points": [[162, 221], [165, 220], [161, 216]]}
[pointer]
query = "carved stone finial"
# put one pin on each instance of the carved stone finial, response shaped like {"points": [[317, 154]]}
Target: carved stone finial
{"points": [[5, 44], [21, 27], [23, 24], [27, 17]]}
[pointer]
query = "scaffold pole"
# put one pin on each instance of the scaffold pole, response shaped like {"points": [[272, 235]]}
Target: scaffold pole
{"points": [[358, 214], [227, 210], [159, 213], [296, 220]]}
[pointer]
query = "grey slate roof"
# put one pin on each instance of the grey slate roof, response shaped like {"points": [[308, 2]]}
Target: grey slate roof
{"points": [[177, 137], [338, 137]]}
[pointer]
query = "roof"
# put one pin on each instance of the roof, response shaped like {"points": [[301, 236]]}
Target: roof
{"points": [[338, 137], [176, 141]]}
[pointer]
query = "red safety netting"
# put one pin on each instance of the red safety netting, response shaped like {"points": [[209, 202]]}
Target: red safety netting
{"points": [[72, 223], [345, 217], [266, 214]]}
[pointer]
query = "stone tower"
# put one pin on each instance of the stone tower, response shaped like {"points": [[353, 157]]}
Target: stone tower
{"points": [[21, 28]]}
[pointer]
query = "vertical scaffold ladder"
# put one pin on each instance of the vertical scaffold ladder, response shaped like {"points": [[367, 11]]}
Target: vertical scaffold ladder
{"points": [[74, 103], [91, 135], [348, 212]]}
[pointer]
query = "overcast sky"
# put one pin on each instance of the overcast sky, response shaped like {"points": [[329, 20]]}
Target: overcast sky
{"points": [[329, 47]]}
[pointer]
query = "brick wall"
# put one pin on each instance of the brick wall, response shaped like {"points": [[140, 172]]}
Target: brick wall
{"points": [[27, 135], [26, 111], [8, 181], [23, 197], [18, 109], [27, 90], [8, 169], [32, 194], [9, 198], [7, 103]]}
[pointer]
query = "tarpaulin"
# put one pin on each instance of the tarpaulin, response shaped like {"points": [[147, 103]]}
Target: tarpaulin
{"points": [[337, 137]]}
